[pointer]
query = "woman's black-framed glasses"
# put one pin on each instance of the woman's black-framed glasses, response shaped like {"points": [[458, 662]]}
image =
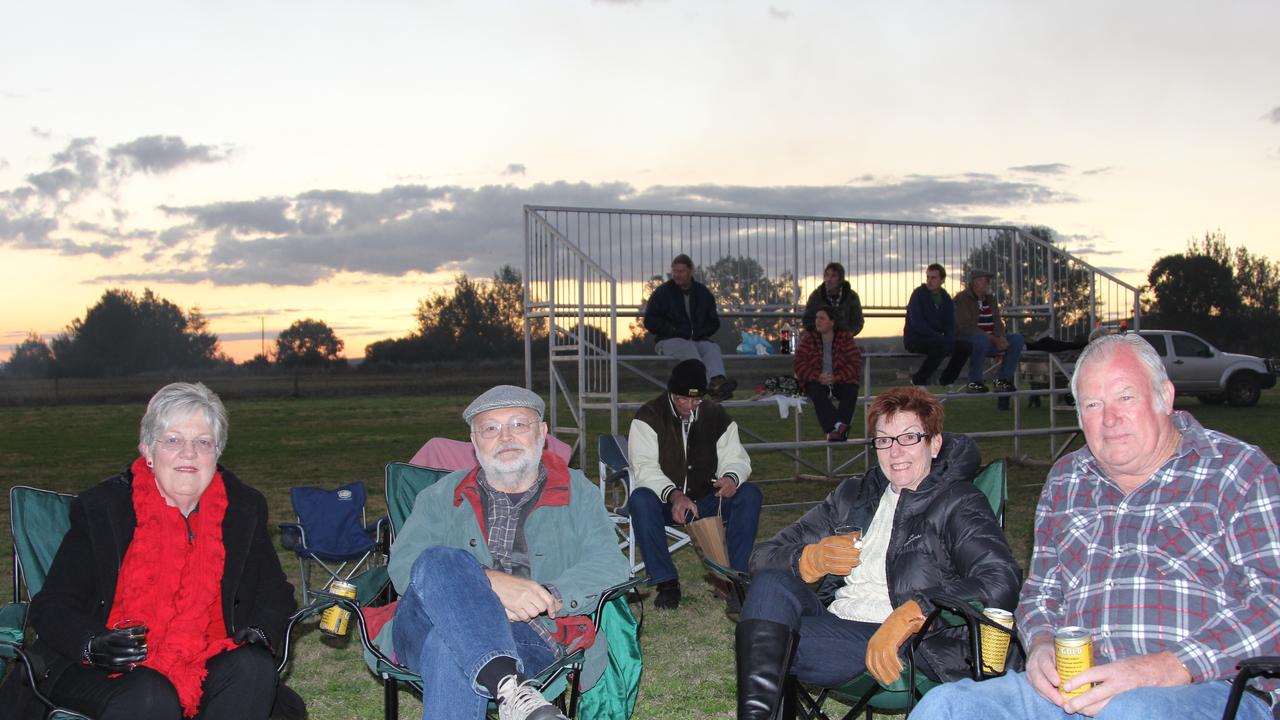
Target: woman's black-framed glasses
{"points": [[884, 442]]}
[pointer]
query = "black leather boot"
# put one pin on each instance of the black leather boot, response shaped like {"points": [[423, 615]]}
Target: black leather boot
{"points": [[763, 650]]}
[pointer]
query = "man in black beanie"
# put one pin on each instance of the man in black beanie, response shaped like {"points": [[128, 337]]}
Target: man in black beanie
{"points": [[688, 463]]}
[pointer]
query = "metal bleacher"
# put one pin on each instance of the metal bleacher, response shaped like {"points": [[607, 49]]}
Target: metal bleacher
{"points": [[589, 271]]}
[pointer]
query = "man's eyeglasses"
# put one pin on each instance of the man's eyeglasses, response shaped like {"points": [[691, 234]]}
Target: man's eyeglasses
{"points": [[884, 442], [492, 429], [174, 443]]}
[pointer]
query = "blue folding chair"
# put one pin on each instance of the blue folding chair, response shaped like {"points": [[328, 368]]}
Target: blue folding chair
{"points": [[615, 481], [331, 533]]}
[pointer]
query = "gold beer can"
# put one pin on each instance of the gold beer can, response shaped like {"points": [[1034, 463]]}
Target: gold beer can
{"points": [[336, 619], [1073, 652], [995, 644]]}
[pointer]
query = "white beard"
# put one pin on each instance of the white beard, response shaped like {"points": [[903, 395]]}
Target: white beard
{"points": [[511, 475]]}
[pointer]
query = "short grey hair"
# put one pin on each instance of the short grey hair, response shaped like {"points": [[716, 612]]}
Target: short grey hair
{"points": [[178, 401], [1106, 346]]}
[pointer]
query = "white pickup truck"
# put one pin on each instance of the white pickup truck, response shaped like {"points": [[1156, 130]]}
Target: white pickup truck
{"points": [[1198, 368]]}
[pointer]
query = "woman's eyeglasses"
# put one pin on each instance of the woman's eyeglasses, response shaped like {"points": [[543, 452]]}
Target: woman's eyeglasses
{"points": [[884, 442], [174, 444]]}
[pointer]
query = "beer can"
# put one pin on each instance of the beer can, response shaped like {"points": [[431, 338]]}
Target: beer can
{"points": [[336, 619], [995, 644], [1073, 652]]}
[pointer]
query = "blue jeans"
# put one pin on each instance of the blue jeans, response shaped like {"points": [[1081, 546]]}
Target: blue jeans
{"points": [[831, 650], [650, 517], [449, 624], [981, 346], [1011, 697]]}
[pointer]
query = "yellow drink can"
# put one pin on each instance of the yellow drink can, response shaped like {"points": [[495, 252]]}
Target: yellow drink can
{"points": [[336, 620], [1073, 652]]}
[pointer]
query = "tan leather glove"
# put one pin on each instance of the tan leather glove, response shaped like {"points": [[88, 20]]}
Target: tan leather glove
{"points": [[832, 555], [882, 650]]}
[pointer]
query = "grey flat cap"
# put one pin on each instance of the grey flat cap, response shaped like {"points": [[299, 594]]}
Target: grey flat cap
{"points": [[504, 396], [975, 274]]}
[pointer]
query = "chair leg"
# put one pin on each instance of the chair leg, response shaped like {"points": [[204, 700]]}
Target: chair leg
{"points": [[390, 699], [572, 710]]}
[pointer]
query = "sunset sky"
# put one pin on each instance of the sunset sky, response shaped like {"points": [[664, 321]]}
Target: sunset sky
{"points": [[267, 162]]}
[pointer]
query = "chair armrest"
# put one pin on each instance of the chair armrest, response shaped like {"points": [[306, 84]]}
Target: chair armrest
{"points": [[1268, 665], [969, 613], [613, 593], [13, 620], [26, 666], [617, 476], [293, 537], [738, 579], [377, 527]]}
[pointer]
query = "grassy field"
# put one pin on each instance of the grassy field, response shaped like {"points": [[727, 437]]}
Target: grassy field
{"points": [[279, 443]]}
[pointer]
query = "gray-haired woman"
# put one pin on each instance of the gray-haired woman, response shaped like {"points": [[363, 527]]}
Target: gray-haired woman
{"points": [[166, 598]]}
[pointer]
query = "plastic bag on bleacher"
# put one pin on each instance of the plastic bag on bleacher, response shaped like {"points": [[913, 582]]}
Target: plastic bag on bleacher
{"points": [[754, 344]]}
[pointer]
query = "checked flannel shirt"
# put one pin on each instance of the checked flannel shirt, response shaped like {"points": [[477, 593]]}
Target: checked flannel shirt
{"points": [[1187, 563]]}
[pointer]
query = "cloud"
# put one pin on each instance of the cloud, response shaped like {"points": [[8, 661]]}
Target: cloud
{"points": [[247, 216], [46, 200], [1273, 115], [514, 169], [777, 14], [73, 248], [162, 153], [315, 235], [73, 172], [1046, 168], [1106, 170]]}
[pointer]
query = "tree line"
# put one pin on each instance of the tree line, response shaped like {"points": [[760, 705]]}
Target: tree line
{"points": [[1227, 295], [1230, 297]]}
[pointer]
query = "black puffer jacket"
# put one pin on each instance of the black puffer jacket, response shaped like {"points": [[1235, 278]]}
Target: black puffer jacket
{"points": [[944, 538]]}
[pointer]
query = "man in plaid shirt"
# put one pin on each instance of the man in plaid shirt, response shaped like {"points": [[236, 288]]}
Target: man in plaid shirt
{"points": [[1161, 538]]}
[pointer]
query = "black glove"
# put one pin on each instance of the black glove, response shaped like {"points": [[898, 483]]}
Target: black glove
{"points": [[116, 650], [250, 636]]}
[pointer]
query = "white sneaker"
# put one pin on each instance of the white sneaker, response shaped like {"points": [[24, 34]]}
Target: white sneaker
{"points": [[522, 701]]}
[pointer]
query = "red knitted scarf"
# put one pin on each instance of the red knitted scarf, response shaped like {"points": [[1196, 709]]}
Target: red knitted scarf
{"points": [[174, 586]]}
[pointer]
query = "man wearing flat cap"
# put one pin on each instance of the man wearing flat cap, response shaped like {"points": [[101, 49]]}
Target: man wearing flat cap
{"points": [[978, 324], [496, 564], [688, 463]]}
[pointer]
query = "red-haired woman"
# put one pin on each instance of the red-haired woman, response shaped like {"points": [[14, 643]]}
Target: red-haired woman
{"points": [[828, 364], [879, 546]]}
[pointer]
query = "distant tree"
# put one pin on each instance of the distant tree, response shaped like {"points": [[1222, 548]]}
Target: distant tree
{"points": [[31, 358], [1193, 287], [308, 343], [125, 334], [477, 321], [1227, 296], [258, 362], [396, 351]]}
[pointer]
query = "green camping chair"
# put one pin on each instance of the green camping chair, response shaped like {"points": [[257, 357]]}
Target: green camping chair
{"points": [[866, 694], [38, 520], [612, 615]]}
